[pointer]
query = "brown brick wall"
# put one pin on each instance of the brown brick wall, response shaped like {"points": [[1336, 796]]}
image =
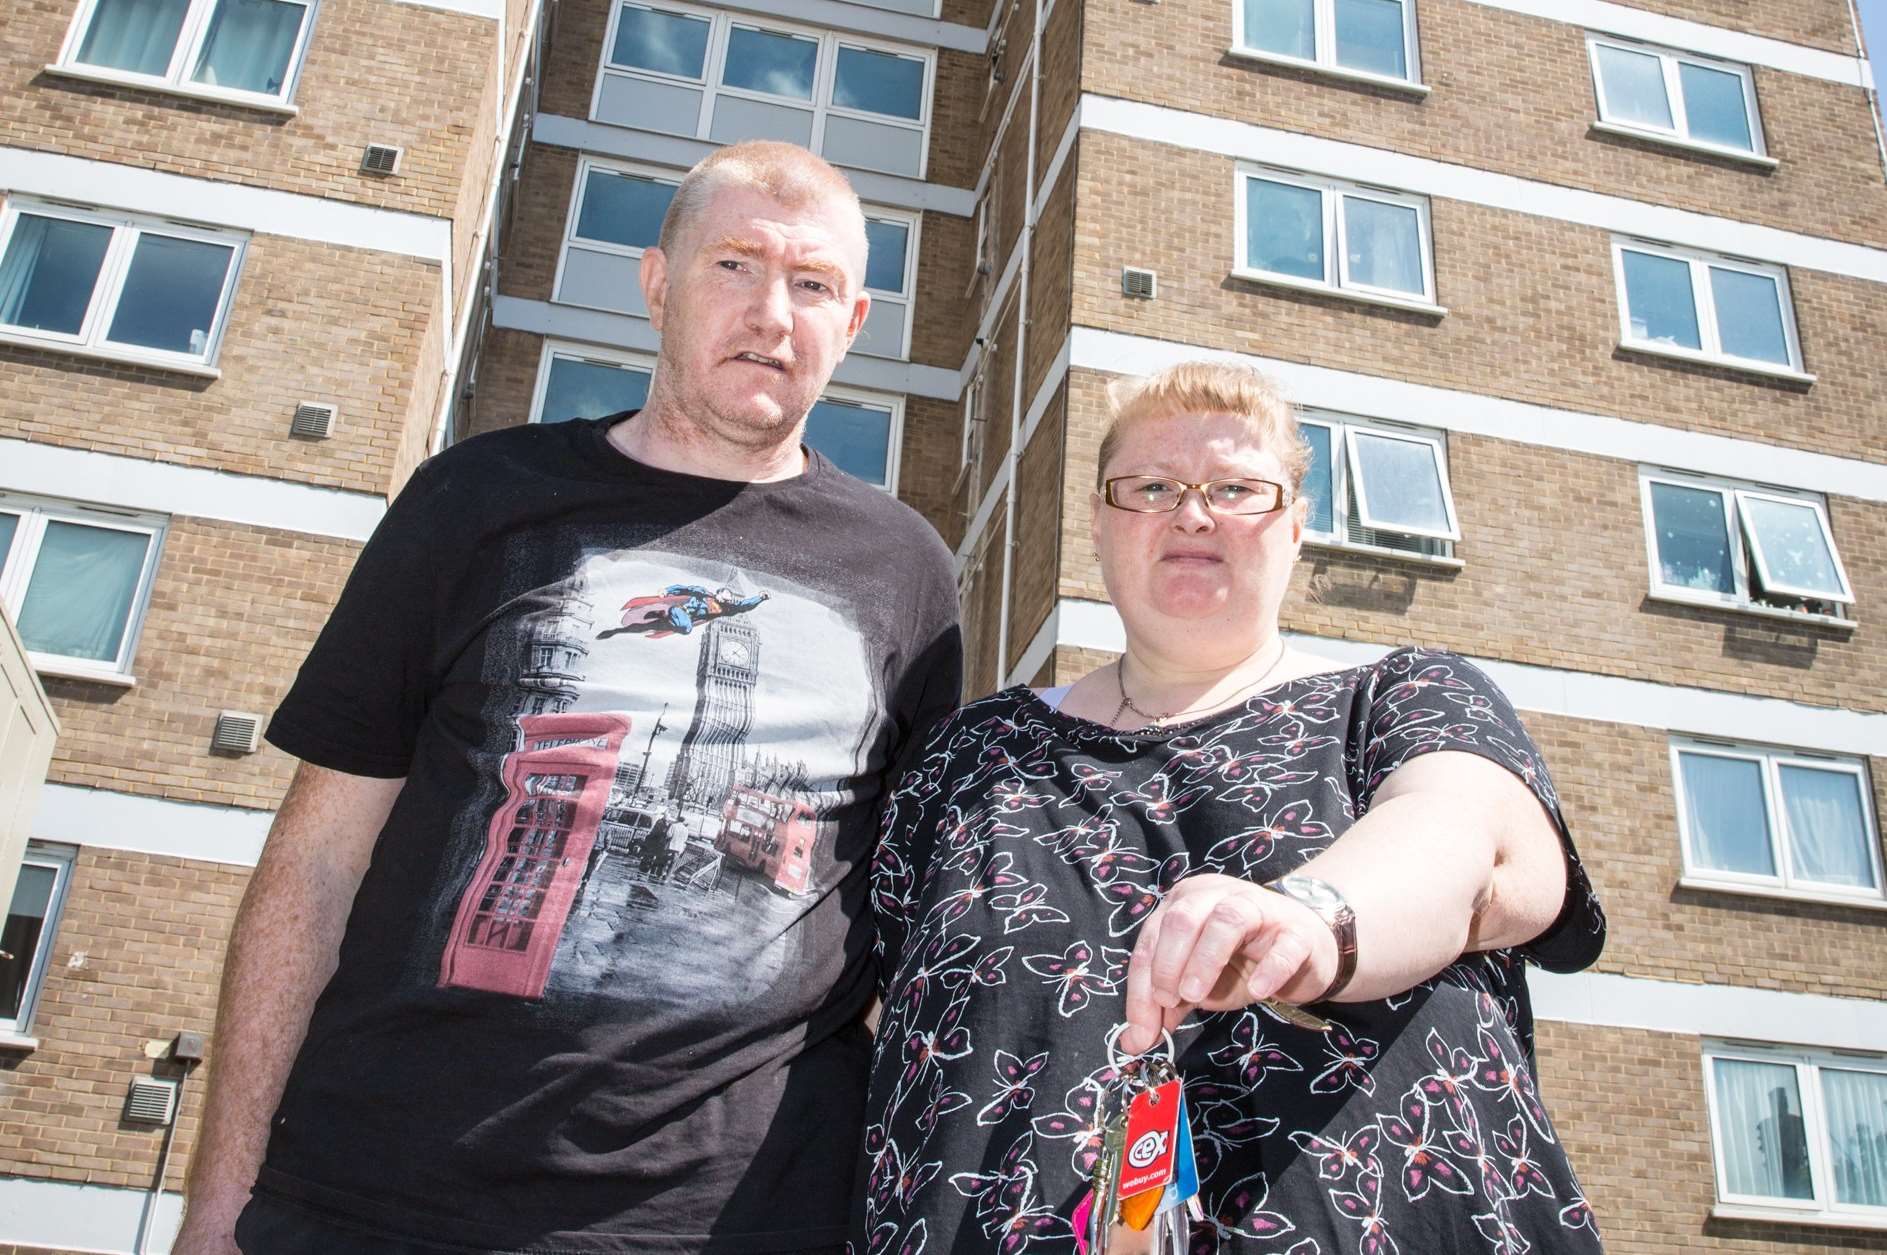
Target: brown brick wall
{"points": [[529, 267], [309, 322], [1061, 82], [233, 612], [1051, 295], [1532, 310], [941, 334], [982, 609], [137, 958], [397, 74], [929, 461], [1037, 540], [1513, 94], [507, 375]]}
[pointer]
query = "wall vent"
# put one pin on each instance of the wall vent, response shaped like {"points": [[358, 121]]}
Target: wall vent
{"points": [[380, 159], [1137, 282], [151, 1101], [236, 733], [312, 421]]}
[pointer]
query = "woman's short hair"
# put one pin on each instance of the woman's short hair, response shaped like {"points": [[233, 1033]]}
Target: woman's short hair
{"points": [[788, 173], [1207, 388]]}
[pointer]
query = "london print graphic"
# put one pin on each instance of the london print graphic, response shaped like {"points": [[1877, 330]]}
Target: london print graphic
{"points": [[683, 729]]}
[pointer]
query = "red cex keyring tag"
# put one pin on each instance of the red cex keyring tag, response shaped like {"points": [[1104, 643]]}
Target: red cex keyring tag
{"points": [[1152, 1126]]}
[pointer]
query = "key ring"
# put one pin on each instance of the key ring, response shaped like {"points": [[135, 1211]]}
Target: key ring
{"points": [[1117, 1059]]}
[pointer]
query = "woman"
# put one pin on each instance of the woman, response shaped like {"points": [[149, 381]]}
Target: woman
{"points": [[1057, 864]]}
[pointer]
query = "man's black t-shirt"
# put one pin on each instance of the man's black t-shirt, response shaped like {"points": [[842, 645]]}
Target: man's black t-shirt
{"points": [[600, 988]]}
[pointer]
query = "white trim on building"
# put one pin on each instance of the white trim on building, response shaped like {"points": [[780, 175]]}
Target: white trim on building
{"points": [[104, 820], [1667, 1006]]}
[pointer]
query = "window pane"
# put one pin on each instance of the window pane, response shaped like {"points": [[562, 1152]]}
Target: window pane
{"points": [[1286, 27], [49, 272], [26, 922], [171, 294], [78, 603], [1714, 105], [1658, 296], [1857, 1134], [1369, 37], [1729, 825], [888, 240], [249, 45], [580, 389], [1401, 483], [1320, 483], [1284, 229], [1384, 244], [879, 82], [1828, 836], [668, 43], [1749, 315], [762, 61], [1693, 538], [1793, 546], [134, 35], [1759, 1119], [9, 524], [1634, 88], [856, 437], [623, 209]]}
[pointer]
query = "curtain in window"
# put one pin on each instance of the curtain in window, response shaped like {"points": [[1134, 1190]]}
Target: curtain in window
{"points": [[1729, 824], [249, 45], [50, 269], [78, 602], [134, 35], [1385, 244], [1763, 1147], [1857, 1134], [1827, 833]]}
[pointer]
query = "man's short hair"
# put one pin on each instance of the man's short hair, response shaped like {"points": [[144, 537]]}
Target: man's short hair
{"points": [[791, 175]]}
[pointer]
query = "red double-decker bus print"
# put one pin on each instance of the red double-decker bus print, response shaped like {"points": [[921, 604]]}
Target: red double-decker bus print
{"points": [[511, 915]]}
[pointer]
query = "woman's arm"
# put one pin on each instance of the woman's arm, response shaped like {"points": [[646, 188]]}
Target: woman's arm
{"points": [[1456, 854]]}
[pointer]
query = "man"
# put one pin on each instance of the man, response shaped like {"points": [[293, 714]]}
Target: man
{"points": [[486, 1069]]}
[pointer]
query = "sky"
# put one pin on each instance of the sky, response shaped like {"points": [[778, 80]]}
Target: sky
{"points": [[1874, 28]]}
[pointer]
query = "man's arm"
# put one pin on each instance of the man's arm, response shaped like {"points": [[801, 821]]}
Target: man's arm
{"points": [[281, 953]]}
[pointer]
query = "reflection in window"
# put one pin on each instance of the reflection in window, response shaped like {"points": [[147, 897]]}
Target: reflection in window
{"points": [[584, 388], [1732, 311], [1295, 226], [170, 297], [770, 62], [1693, 538], [888, 242], [879, 82], [664, 43], [1379, 487], [1741, 546], [1363, 36], [1801, 1132], [1675, 94], [1285, 229], [857, 438], [50, 272], [623, 209]]}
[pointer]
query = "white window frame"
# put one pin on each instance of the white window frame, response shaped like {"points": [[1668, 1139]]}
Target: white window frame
{"points": [[108, 288], [824, 71], [1743, 556], [1346, 481], [1324, 41], [1808, 1063], [596, 353], [1771, 759], [59, 858], [1336, 255], [894, 433], [913, 226], [577, 192], [176, 78], [19, 559], [1670, 59], [1703, 301]]}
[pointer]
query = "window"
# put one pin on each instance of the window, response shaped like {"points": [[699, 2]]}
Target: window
{"points": [[1372, 39], [1798, 1133], [107, 285], [1674, 95], [1778, 820], [76, 581], [32, 921], [891, 278], [860, 432], [616, 211], [1722, 543], [1685, 303], [708, 75], [241, 50], [1319, 233], [1377, 486], [589, 382]]}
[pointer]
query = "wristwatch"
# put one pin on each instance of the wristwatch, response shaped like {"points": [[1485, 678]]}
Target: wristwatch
{"points": [[1334, 910]]}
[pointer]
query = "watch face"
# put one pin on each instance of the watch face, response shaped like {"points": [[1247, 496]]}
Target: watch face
{"points": [[1311, 892]]}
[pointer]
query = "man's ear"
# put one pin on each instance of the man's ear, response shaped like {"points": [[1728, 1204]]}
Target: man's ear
{"points": [[861, 306], [654, 276]]}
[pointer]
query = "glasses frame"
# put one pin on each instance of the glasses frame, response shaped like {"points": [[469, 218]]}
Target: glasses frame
{"points": [[1205, 497]]}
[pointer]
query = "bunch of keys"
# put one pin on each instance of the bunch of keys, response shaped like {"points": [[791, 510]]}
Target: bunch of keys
{"points": [[1144, 1178]]}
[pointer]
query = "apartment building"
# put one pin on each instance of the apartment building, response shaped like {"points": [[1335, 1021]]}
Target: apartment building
{"points": [[1581, 300]]}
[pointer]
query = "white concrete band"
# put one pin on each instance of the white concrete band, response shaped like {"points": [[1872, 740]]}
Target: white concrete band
{"points": [[1664, 1006], [869, 20], [213, 202], [104, 820], [109, 479], [1712, 41], [1574, 694], [1244, 141], [67, 1216], [493, 9]]}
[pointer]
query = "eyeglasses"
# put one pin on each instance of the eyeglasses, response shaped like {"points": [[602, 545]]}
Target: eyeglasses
{"points": [[1156, 494]]}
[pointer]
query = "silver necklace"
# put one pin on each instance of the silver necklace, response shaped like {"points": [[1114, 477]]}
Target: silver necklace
{"points": [[1157, 721]]}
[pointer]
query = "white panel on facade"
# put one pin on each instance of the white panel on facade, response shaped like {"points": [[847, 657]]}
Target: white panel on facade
{"points": [[649, 106], [603, 281], [883, 332], [736, 119], [874, 146]]}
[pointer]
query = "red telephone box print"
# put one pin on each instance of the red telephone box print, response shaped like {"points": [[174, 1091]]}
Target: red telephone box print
{"points": [[512, 913]]}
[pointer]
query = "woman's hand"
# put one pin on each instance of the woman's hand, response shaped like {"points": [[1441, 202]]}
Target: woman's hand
{"points": [[1219, 943]]}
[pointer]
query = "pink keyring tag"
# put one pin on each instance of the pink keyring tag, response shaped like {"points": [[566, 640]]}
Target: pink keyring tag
{"points": [[1083, 1210]]}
